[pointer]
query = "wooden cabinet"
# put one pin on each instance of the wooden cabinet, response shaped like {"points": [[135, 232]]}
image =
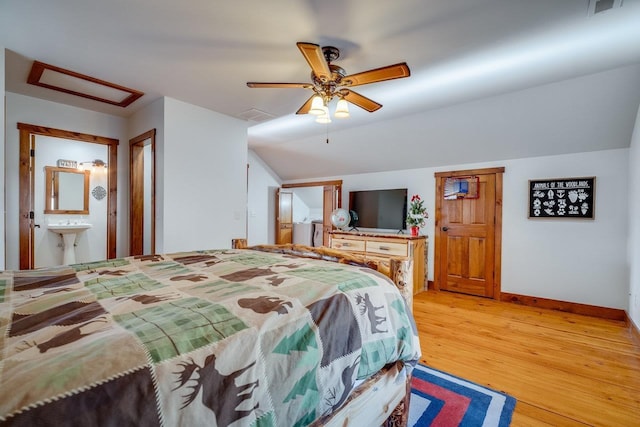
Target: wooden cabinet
{"points": [[381, 247]]}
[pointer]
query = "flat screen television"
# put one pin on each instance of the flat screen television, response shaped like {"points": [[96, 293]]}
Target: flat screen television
{"points": [[385, 209]]}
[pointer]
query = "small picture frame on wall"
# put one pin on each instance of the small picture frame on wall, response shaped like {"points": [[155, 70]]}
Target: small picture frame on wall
{"points": [[562, 198]]}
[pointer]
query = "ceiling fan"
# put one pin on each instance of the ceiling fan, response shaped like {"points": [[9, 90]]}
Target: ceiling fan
{"points": [[329, 80]]}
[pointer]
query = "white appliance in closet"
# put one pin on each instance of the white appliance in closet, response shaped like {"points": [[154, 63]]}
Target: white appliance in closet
{"points": [[318, 234], [303, 233]]}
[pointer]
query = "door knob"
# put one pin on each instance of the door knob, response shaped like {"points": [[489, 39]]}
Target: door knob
{"points": [[445, 228]]}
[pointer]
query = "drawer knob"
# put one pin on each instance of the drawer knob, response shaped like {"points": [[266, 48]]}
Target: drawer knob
{"points": [[384, 248]]}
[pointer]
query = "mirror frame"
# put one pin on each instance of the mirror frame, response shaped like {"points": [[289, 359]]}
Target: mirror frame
{"points": [[50, 192]]}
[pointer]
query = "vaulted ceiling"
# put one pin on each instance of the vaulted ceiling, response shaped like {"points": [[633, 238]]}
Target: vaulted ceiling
{"points": [[476, 66]]}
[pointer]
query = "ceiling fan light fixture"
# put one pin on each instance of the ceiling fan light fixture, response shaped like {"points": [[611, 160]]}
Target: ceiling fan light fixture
{"points": [[329, 80], [324, 117], [342, 109], [317, 106]]}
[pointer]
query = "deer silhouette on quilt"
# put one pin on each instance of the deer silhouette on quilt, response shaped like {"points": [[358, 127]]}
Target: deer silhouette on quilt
{"points": [[367, 308], [219, 392]]}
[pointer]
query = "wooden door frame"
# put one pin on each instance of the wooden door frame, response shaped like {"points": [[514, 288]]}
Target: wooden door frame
{"points": [[26, 175], [136, 174], [439, 234], [338, 189]]}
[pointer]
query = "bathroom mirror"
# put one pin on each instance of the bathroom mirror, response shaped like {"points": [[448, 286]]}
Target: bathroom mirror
{"points": [[66, 191]]}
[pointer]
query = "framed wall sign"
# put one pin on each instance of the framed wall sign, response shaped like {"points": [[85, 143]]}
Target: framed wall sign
{"points": [[562, 198], [62, 163]]}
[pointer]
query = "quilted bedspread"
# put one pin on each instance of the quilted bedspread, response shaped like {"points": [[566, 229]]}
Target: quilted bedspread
{"points": [[216, 338]]}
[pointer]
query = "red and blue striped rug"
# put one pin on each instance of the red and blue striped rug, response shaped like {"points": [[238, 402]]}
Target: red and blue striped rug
{"points": [[440, 399]]}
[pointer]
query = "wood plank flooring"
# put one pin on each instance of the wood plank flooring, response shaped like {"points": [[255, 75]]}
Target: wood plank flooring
{"points": [[564, 369]]}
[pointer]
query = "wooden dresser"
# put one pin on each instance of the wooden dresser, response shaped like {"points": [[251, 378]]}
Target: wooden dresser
{"points": [[381, 247]]}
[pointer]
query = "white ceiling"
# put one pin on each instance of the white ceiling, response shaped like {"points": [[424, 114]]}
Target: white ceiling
{"points": [[459, 51]]}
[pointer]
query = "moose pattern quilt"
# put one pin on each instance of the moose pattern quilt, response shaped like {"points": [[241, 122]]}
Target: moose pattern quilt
{"points": [[215, 337]]}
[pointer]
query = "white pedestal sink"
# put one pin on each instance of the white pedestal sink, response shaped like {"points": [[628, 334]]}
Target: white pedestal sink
{"points": [[69, 232]]}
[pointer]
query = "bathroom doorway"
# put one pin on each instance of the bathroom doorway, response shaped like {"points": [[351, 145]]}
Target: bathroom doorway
{"points": [[31, 222]]}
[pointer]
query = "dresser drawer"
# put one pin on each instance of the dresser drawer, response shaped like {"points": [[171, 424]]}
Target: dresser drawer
{"points": [[387, 248], [348, 244]]}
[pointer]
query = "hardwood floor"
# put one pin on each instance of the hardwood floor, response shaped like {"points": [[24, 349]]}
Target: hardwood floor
{"points": [[564, 369]]}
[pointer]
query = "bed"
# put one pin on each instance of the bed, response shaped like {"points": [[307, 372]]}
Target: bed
{"points": [[261, 336]]}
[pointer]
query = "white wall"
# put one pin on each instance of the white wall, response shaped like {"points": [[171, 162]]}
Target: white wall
{"points": [[205, 178], [300, 210], [580, 261], [263, 183], [574, 260], [634, 226], [24, 109], [2, 155]]}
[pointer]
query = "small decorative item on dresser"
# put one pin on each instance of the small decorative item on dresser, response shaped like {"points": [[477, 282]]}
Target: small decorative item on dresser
{"points": [[417, 214]]}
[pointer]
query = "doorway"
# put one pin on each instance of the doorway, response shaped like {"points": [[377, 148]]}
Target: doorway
{"points": [[331, 199], [468, 232], [27, 223], [142, 199]]}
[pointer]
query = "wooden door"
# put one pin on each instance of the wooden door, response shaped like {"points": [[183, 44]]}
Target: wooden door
{"points": [[142, 194], [26, 186], [468, 236], [284, 216], [331, 199]]}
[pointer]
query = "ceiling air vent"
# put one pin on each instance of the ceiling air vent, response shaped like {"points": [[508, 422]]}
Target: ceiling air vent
{"points": [[255, 115], [599, 6]]}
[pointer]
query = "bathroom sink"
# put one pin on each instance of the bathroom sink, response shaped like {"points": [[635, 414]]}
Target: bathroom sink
{"points": [[68, 232], [68, 228]]}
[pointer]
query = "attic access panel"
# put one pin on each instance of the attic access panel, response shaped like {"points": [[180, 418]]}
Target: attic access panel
{"points": [[462, 187], [67, 81]]}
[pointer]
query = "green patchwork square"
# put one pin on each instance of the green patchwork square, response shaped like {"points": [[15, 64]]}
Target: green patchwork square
{"points": [[103, 287], [179, 327], [118, 262], [375, 355], [3, 288], [346, 280], [168, 266], [255, 260]]}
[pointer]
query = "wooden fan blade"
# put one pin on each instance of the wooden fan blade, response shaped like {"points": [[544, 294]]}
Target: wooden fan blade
{"points": [[359, 100], [306, 106], [390, 72], [315, 58], [280, 85]]}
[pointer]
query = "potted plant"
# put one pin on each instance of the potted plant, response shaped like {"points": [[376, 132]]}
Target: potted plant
{"points": [[416, 215]]}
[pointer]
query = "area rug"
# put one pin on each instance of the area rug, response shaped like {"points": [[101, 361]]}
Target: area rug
{"points": [[440, 399]]}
